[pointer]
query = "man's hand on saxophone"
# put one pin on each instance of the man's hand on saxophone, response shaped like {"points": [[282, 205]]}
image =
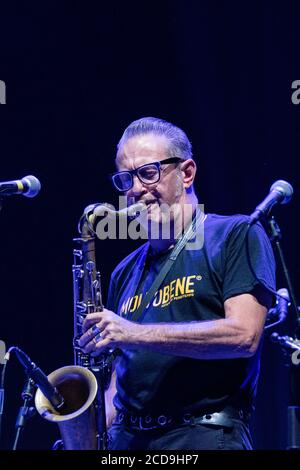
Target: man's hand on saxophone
{"points": [[105, 329]]}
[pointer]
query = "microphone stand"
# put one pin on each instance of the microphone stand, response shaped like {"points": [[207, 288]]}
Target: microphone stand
{"points": [[275, 237], [290, 345], [26, 412], [2, 392], [1, 410]]}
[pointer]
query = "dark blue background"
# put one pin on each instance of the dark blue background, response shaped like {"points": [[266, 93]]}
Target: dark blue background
{"points": [[77, 73]]}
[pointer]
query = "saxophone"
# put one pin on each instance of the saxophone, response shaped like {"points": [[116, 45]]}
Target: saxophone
{"points": [[82, 421]]}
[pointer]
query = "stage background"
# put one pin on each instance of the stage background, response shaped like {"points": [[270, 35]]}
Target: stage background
{"points": [[77, 73]]}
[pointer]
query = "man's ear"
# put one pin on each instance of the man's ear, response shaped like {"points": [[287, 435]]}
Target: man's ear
{"points": [[188, 169]]}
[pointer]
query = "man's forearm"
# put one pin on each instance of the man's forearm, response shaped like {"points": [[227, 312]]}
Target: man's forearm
{"points": [[236, 335], [217, 339]]}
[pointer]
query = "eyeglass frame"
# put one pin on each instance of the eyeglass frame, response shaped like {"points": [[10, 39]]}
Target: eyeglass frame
{"points": [[166, 161]]}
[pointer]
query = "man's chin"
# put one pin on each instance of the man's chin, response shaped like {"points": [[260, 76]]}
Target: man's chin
{"points": [[155, 216], [159, 219]]}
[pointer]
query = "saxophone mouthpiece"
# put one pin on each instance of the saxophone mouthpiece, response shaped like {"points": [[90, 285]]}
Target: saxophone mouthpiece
{"points": [[134, 210], [131, 211], [103, 209]]}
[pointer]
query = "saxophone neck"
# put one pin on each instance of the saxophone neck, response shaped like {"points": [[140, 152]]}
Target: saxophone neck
{"points": [[93, 211]]}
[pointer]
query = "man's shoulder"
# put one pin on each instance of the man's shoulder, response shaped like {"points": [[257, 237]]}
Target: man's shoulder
{"points": [[229, 220], [223, 228], [226, 223], [223, 231]]}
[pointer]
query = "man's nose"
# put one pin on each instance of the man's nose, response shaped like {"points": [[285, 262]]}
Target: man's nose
{"points": [[137, 188]]}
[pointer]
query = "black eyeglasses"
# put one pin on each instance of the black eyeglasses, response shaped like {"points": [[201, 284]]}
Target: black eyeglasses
{"points": [[147, 174]]}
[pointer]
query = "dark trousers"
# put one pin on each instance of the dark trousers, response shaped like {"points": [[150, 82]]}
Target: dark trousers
{"points": [[184, 437]]}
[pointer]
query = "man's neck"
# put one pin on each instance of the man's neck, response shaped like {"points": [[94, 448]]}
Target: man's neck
{"points": [[161, 246]]}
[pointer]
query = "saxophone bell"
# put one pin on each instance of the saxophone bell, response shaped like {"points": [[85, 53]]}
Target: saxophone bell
{"points": [[77, 420]]}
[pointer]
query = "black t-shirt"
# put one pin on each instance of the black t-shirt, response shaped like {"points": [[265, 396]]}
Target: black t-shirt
{"points": [[195, 289]]}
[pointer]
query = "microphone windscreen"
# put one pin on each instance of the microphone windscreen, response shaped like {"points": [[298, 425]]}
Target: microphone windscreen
{"points": [[285, 188]]}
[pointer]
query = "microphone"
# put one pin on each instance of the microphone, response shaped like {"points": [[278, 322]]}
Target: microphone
{"points": [[281, 191], [28, 186], [39, 378], [282, 303]]}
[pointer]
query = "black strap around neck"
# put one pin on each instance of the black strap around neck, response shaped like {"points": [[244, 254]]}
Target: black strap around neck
{"points": [[180, 244]]}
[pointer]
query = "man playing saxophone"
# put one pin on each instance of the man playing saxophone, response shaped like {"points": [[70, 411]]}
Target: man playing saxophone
{"points": [[188, 366]]}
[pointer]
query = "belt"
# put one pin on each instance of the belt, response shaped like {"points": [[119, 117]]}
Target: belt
{"points": [[219, 418]]}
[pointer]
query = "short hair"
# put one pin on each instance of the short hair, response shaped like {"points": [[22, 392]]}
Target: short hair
{"points": [[180, 146]]}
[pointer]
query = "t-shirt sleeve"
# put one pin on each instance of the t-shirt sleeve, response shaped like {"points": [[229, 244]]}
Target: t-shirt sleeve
{"points": [[249, 261]]}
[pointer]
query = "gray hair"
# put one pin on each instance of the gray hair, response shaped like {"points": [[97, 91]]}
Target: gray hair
{"points": [[180, 146]]}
